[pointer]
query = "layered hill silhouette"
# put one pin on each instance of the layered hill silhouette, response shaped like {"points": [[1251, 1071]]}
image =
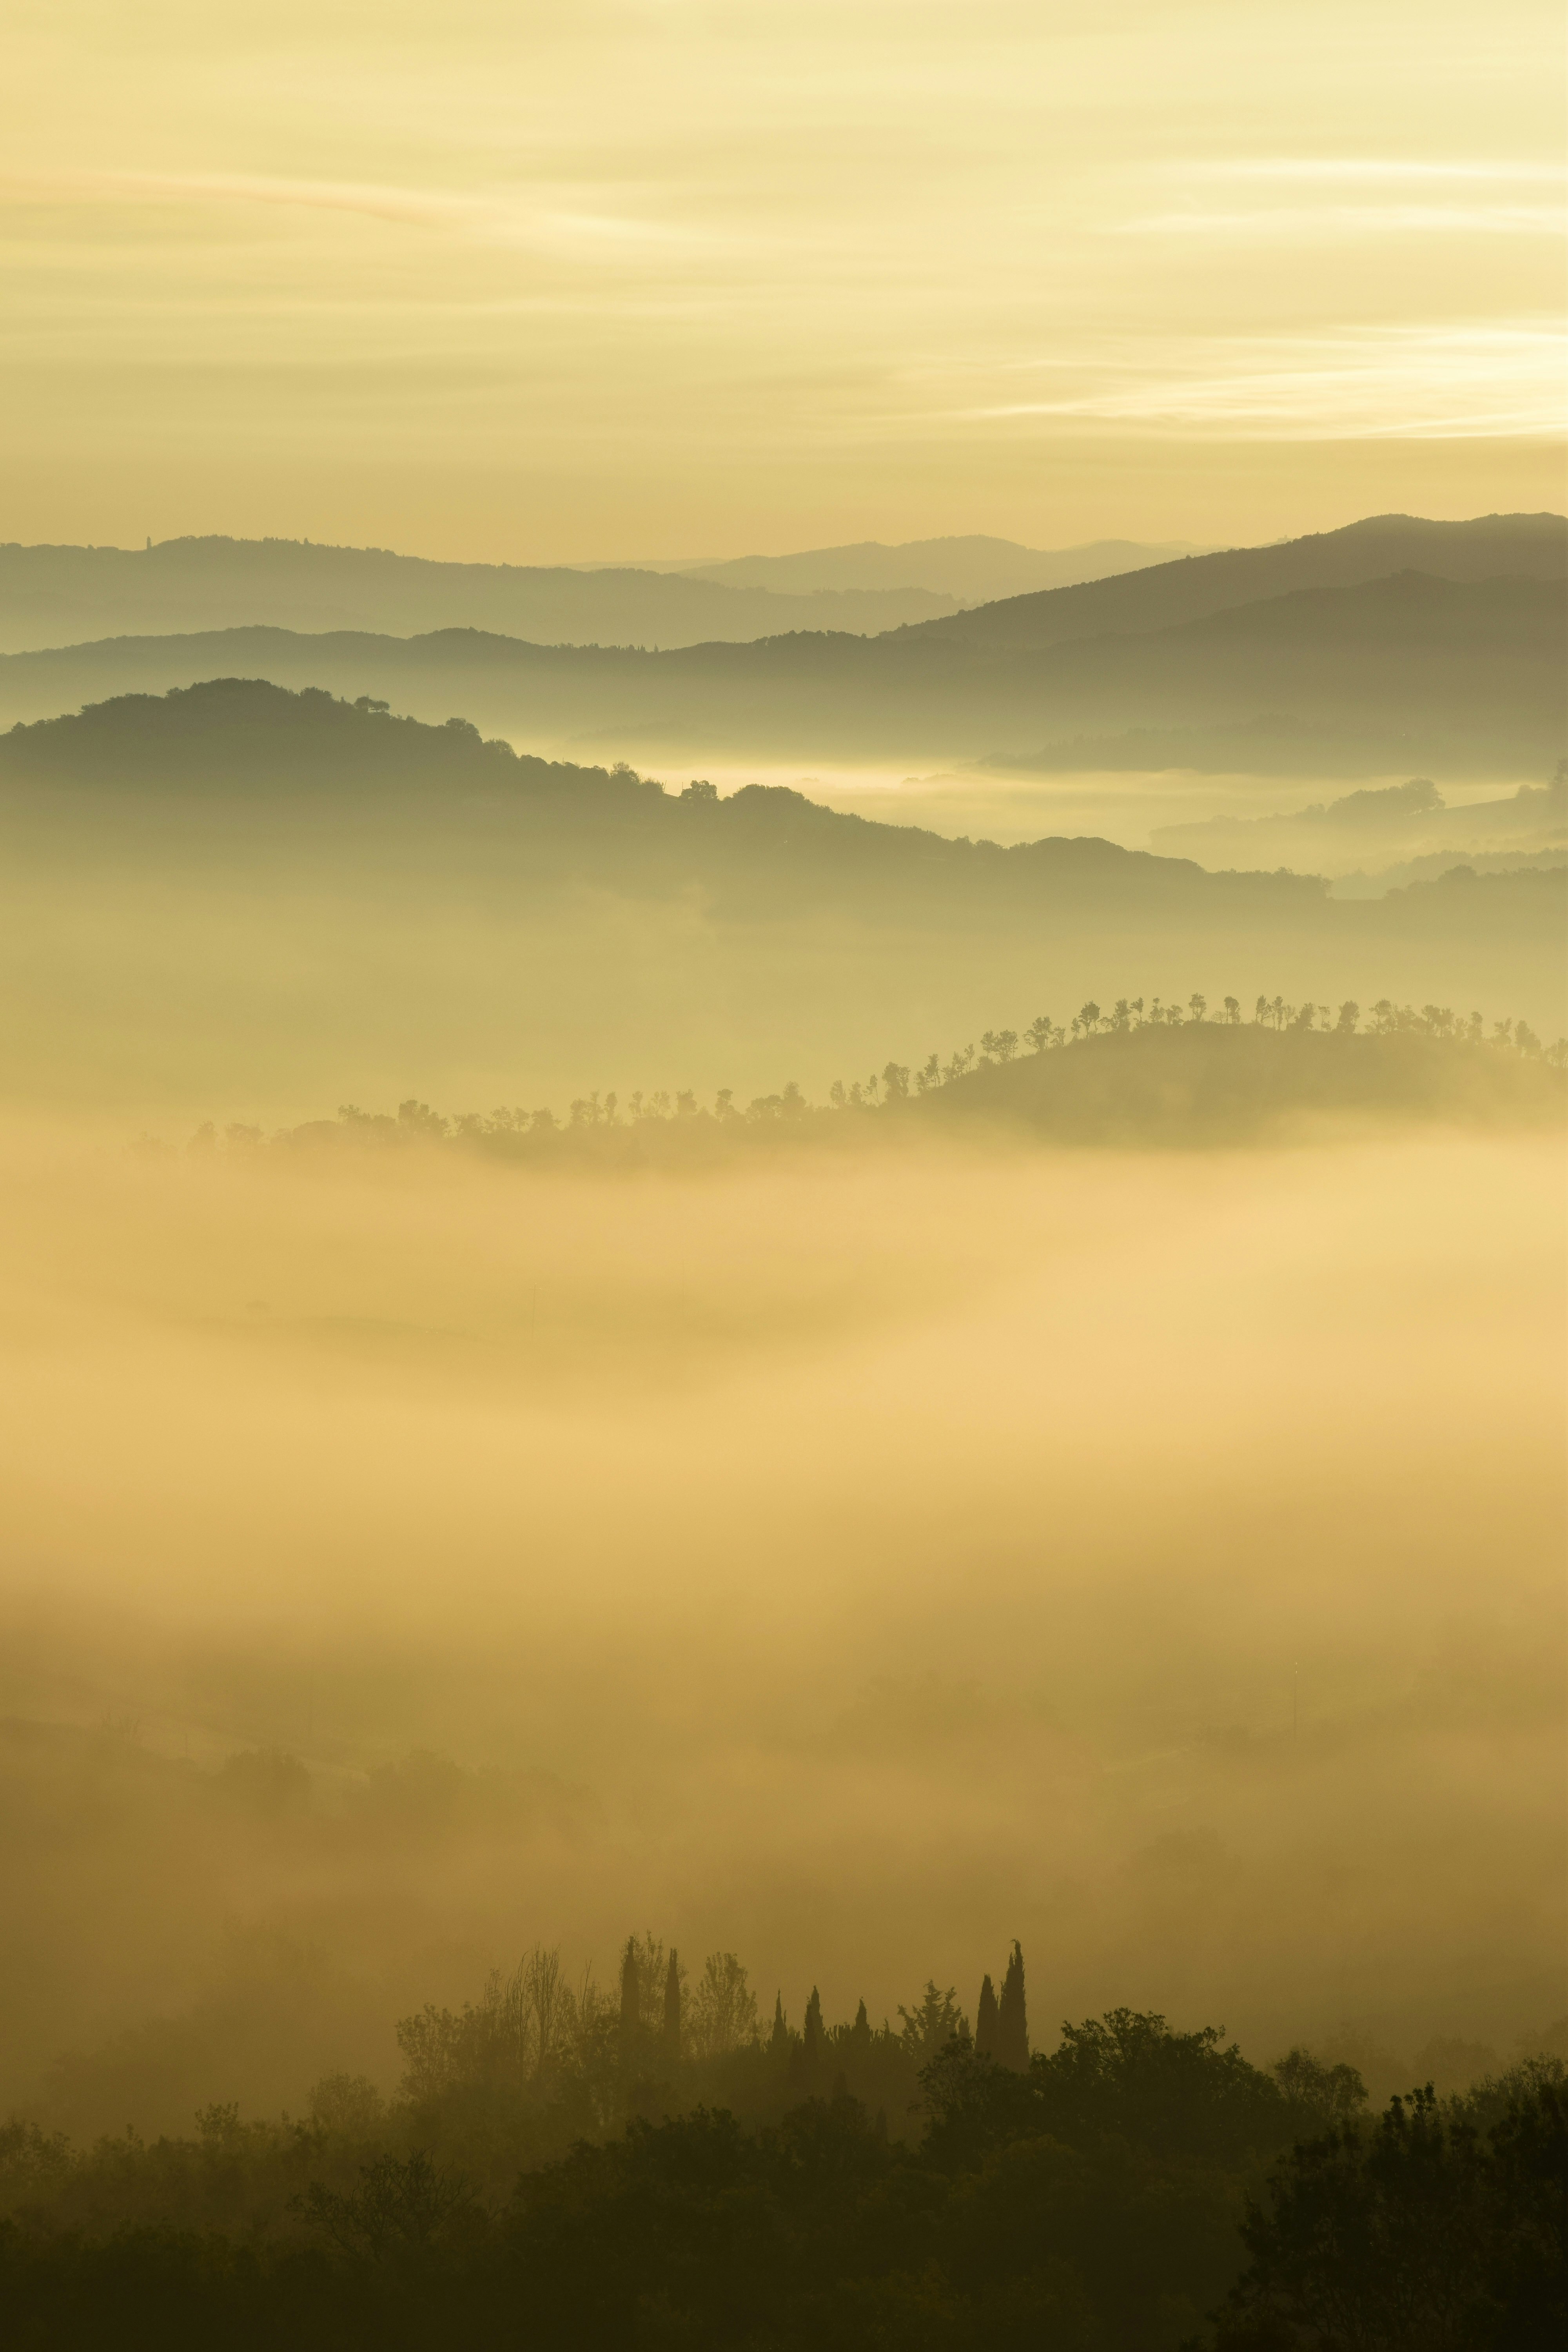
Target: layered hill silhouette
{"points": [[1455, 668], [60, 595], [1162, 595], [975, 567], [247, 744]]}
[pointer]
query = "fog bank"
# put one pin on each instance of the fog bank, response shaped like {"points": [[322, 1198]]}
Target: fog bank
{"points": [[1154, 1559]]}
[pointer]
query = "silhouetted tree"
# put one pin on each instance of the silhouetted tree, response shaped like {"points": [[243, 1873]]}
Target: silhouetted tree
{"points": [[544, 1993], [672, 2009], [724, 2009], [987, 2025], [812, 2035], [1012, 2016], [631, 1999], [932, 2026]]}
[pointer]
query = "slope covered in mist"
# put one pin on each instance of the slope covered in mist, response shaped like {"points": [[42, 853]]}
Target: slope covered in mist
{"points": [[252, 902], [1391, 671], [237, 742]]}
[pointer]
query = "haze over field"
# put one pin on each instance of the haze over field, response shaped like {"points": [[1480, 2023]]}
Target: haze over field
{"points": [[783, 1086]]}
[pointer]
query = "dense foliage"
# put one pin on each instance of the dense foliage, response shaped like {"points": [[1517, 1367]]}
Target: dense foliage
{"points": [[573, 2167]]}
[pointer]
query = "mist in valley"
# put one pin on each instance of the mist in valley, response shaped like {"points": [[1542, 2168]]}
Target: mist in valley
{"points": [[757, 1557], [806, 1432]]}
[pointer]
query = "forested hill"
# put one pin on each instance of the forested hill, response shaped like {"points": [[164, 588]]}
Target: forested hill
{"points": [[241, 741], [1130, 1078], [243, 752]]}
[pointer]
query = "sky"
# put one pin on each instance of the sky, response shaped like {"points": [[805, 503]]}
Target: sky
{"points": [[588, 279]]}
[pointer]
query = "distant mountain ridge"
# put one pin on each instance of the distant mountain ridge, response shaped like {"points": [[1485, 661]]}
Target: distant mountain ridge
{"points": [[1163, 597], [1452, 664], [59, 595], [56, 596], [974, 568], [1413, 673]]}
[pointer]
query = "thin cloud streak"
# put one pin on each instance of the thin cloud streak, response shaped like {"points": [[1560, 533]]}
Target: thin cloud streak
{"points": [[1358, 221], [1351, 168], [1432, 382], [485, 217]]}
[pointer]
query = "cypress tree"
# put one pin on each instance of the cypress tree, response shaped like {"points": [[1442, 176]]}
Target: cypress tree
{"points": [[1012, 2017], [987, 2030], [672, 2011], [812, 2037], [631, 2000], [779, 2038], [860, 2031]]}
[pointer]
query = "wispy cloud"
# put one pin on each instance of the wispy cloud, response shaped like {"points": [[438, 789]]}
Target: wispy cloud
{"points": [[1369, 168], [489, 216], [1441, 382], [1341, 196], [1297, 221], [431, 207]]}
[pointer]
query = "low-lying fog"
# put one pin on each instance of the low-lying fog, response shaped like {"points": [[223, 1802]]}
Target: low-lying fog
{"points": [[851, 1565], [177, 963], [1218, 820]]}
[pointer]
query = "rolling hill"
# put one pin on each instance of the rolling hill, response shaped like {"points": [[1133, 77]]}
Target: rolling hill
{"points": [[232, 742], [237, 895], [56, 595], [974, 568], [1451, 677], [1193, 1084], [1164, 595]]}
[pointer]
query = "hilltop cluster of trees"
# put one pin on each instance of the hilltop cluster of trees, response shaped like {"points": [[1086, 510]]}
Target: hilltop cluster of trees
{"points": [[648, 2166], [898, 1085]]}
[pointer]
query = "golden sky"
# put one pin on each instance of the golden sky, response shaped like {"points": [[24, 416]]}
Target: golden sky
{"points": [[598, 278]]}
